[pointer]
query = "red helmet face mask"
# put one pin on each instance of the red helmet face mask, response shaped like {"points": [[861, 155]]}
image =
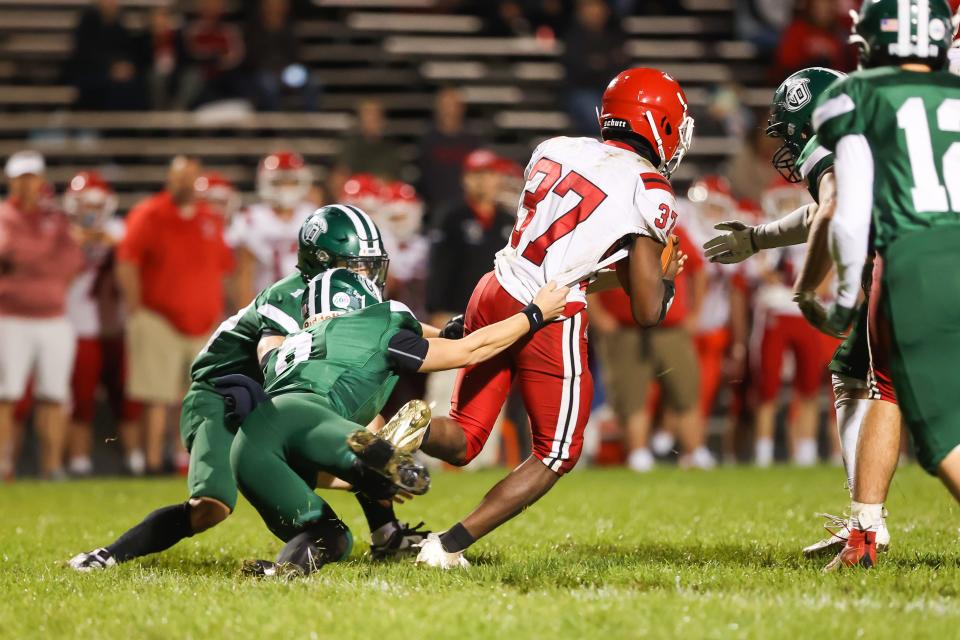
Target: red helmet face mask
{"points": [[89, 200], [650, 104]]}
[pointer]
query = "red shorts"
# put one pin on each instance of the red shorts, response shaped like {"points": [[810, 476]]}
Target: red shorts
{"points": [[100, 360], [880, 341], [811, 353], [711, 351], [551, 368]]}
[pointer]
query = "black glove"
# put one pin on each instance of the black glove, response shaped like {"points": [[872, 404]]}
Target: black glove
{"points": [[241, 395], [453, 330]]}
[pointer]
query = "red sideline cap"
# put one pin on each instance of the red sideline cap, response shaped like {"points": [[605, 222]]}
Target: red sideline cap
{"points": [[481, 160]]}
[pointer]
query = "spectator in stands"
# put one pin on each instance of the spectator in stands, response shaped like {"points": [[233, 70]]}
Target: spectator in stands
{"points": [[167, 55], [105, 66], [275, 58], [171, 264], [443, 150], [634, 359], [216, 50], [593, 54], [366, 151], [466, 237], [39, 258], [815, 38]]}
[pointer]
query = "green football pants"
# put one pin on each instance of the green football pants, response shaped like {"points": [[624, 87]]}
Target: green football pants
{"points": [[921, 302], [278, 452]]}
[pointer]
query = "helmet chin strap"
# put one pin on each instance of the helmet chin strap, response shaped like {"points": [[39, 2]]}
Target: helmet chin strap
{"points": [[656, 136]]}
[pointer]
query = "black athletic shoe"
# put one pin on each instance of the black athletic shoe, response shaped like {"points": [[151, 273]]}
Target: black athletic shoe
{"points": [[270, 569], [405, 540]]}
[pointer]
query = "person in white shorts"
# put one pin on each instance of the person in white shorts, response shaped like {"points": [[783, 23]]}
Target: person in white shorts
{"points": [[39, 258]]}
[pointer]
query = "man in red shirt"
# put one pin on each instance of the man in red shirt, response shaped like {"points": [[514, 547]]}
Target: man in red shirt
{"points": [[39, 257], [633, 359], [170, 268]]}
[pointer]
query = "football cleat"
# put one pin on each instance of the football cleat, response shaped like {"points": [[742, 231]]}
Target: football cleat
{"points": [[432, 554], [860, 551], [92, 560], [397, 466], [839, 531], [270, 569], [406, 429], [403, 541]]}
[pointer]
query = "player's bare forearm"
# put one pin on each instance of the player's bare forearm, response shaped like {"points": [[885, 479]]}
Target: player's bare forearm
{"points": [[480, 345], [818, 262], [642, 279], [128, 281]]}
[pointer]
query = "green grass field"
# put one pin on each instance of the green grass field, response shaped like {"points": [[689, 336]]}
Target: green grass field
{"points": [[607, 554]]}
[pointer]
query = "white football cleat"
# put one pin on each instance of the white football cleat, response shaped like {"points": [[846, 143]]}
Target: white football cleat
{"points": [[662, 443], [432, 554], [839, 530], [92, 560]]}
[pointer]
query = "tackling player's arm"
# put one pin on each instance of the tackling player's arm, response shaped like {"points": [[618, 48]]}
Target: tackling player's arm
{"points": [[412, 352], [642, 277], [817, 262], [268, 343]]}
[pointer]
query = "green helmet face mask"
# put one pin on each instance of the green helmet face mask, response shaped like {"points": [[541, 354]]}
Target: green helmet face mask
{"points": [[338, 291], [791, 112], [888, 31], [342, 236]]}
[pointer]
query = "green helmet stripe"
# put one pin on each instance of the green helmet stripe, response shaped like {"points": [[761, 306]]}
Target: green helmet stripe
{"points": [[923, 28], [325, 290], [311, 297], [370, 229]]}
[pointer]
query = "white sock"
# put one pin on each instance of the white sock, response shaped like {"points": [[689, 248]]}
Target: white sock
{"points": [[866, 516], [850, 412], [806, 453], [81, 465], [383, 534], [763, 452], [640, 460]]}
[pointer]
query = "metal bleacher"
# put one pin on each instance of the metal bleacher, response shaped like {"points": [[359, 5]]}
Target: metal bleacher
{"points": [[396, 50]]}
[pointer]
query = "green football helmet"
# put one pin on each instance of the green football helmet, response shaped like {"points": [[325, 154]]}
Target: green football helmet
{"points": [[337, 291], [790, 115], [339, 235], [893, 31]]}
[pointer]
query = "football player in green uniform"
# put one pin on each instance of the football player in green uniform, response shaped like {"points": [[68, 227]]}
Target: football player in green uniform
{"points": [[334, 236], [328, 380], [895, 130], [803, 158]]}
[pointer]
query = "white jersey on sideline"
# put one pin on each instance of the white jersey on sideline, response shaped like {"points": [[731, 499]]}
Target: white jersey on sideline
{"points": [[581, 200], [82, 308], [271, 241]]}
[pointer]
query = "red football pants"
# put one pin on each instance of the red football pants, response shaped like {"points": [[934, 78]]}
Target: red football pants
{"points": [[880, 339], [811, 353], [551, 368]]}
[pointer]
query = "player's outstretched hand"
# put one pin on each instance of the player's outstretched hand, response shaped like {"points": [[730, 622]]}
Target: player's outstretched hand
{"points": [[551, 300], [733, 247]]}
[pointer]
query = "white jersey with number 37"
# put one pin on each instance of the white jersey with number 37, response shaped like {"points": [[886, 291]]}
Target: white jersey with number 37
{"points": [[582, 198]]}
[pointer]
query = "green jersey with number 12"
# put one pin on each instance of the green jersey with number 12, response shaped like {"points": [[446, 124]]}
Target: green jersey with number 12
{"points": [[911, 121]]}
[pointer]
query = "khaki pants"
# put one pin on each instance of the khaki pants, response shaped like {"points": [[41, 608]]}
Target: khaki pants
{"points": [[633, 359], [159, 358]]}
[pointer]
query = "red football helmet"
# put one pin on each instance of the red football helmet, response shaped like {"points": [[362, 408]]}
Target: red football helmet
{"points": [[89, 200], [402, 210], [216, 190], [712, 197], [283, 180], [650, 104], [364, 190]]}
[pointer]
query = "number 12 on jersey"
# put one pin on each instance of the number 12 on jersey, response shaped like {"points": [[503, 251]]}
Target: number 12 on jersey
{"points": [[590, 198]]}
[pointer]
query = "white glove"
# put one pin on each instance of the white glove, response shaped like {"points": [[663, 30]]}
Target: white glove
{"points": [[733, 247]]}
